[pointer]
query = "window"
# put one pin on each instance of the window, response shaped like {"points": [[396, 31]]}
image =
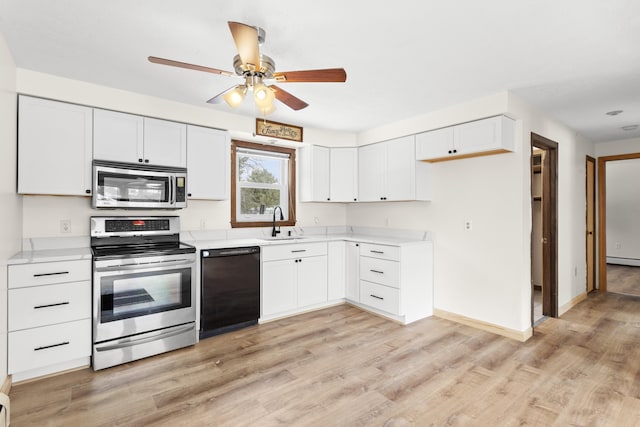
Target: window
{"points": [[262, 178]]}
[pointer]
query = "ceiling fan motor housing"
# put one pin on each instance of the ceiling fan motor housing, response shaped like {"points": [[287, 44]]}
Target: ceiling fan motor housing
{"points": [[266, 70]]}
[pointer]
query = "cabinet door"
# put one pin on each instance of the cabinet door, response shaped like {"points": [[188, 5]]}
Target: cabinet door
{"points": [[336, 272], [352, 270], [208, 162], [117, 136], [401, 169], [279, 286], [165, 143], [435, 144], [484, 135], [343, 174], [314, 174], [371, 172], [312, 280], [54, 147]]}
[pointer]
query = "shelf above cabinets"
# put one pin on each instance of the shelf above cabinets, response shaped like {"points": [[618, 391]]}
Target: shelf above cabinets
{"points": [[478, 138]]}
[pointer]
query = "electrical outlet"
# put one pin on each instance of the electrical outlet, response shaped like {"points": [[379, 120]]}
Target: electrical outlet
{"points": [[387, 222], [618, 245], [468, 226], [65, 226], [316, 220]]}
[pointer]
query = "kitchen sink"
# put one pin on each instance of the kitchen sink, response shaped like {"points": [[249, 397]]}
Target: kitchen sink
{"points": [[285, 238]]}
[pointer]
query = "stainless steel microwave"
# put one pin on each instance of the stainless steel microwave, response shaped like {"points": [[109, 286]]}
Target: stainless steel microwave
{"points": [[133, 186]]}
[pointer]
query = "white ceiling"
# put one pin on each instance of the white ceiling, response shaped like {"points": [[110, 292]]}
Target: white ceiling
{"points": [[575, 59]]}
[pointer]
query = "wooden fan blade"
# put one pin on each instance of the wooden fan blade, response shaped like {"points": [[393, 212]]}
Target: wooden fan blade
{"points": [[246, 39], [288, 99], [218, 99], [179, 64], [335, 75]]}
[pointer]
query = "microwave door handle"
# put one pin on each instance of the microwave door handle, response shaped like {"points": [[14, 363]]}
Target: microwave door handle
{"points": [[172, 195]]}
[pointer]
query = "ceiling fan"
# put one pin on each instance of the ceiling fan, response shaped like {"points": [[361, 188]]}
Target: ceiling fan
{"points": [[255, 68]]}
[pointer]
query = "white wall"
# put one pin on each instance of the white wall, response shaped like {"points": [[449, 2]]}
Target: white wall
{"points": [[199, 214], [10, 202], [485, 274], [623, 209]]}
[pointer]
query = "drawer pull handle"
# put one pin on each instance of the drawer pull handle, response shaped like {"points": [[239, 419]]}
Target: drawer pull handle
{"points": [[375, 296], [298, 250], [44, 347], [50, 274], [377, 271], [50, 305], [377, 252]]}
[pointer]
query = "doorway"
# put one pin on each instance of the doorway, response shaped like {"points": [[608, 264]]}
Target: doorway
{"points": [[591, 222], [602, 215], [544, 243]]}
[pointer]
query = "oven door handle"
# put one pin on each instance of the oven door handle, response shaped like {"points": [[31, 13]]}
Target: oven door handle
{"points": [[148, 337], [144, 266]]}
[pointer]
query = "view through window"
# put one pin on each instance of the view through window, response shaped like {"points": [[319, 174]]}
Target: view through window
{"points": [[263, 178]]}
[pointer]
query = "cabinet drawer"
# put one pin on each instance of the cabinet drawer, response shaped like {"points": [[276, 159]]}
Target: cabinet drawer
{"points": [[380, 251], [48, 345], [47, 305], [379, 296], [47, 273], [380, 271], [297, 250]]}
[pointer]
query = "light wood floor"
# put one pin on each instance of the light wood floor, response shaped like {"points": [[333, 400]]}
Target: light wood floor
{"points": [[623, 279], [345, 367]]}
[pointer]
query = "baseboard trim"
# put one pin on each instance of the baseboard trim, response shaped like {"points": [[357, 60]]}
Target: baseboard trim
{"points": [[6, 385], [521, 336], [575, 301], [632, 262]]}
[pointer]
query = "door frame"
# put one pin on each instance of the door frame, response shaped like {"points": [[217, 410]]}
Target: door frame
{"points": [[602, 215], [590, 225], [549, 225]]}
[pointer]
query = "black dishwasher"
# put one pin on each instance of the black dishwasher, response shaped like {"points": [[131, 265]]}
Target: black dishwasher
{"points": [[230, 289]]}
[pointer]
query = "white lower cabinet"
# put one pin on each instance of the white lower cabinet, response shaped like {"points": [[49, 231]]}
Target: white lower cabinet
{"points": [[395, 281], [49, 317], [352, 273], [294, 277], [336, 271]]}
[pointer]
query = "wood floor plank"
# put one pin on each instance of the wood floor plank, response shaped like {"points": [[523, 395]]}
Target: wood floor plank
{"points": [[344, 366]]}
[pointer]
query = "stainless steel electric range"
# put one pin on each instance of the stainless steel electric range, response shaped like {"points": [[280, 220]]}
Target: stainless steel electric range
{"points": [[143, 288]]}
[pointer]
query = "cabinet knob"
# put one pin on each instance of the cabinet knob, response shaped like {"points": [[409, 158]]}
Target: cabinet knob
{"points": [[328, 198], [146, 160], [355, 200], [139, 160], [455, 151], [87, 191]]}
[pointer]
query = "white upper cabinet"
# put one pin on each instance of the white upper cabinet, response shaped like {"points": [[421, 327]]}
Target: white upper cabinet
{"points": [[118, 137], [314, 174], [371, 172], [478, 138], [165, 143], [388, 171], [208, 163], [129, 138], [343, 174], [54, 147]]}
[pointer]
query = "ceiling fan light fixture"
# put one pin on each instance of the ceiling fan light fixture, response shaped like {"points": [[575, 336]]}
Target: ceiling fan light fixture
{"points": [[235, 97], [263, 96]]}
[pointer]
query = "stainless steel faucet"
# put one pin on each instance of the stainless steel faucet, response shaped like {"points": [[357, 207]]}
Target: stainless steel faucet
{"points": [[275, 232]]}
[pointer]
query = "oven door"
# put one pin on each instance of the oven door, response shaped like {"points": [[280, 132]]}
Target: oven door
{"points": [[117, 187], [136, 295]]}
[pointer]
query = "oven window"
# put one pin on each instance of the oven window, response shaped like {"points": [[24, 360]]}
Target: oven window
{"points": [[138, 294], [133, 188]]}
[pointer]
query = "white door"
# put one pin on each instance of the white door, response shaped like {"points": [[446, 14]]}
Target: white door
{"points": [[336, 273], [117, 137], [312, 280], [352, 269], [401, 169], [344, 174], [165, 143], [54, 147], [320, 179], [208, 163], [435, 144], [371, 172], [279, 286]]}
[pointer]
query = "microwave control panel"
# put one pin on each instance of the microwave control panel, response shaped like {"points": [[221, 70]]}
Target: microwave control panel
{"points": [[181, 190]]}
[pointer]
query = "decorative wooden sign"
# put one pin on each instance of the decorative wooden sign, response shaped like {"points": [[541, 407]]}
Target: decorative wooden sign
{"points": [[278, 130]]}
